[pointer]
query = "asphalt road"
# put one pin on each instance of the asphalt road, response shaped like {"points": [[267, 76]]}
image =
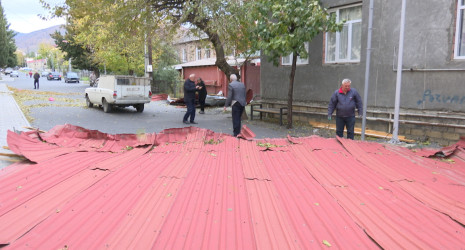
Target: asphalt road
{"points": [[57, 103]]}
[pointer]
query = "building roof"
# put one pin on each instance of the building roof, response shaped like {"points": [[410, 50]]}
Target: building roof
{"points": [[211, 62], [208, 62], [191, 188]]}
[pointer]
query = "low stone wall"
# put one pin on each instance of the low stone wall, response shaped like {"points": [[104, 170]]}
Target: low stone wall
{"points": [[443, 128]]}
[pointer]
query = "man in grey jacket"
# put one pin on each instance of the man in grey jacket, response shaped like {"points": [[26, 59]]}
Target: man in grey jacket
{"points": [[236, 99], [345, 100]]}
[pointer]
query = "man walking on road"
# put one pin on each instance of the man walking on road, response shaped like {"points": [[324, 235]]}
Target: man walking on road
{"points": [[345, 100], [189, 98], [236, 99], [36, 80]]}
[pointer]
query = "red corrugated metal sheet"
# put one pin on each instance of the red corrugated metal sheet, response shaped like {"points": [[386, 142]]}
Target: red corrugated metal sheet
{"points": [[191, 188]]}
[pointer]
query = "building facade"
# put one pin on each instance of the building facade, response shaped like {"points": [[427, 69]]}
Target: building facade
{"points": [[198, 57], [432, 99], [193, 48]]}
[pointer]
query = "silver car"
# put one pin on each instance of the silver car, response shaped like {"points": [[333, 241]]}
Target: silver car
{"points": [[14, 73]]}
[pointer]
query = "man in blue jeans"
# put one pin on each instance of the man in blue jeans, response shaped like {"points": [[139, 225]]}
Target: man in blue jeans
{"points": [[344, 101]]}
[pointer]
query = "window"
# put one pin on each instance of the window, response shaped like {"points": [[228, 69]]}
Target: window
{"points": [[184, 55], [345, 46], [459, 50], [207, 53], [198, 53], [287, 60]]}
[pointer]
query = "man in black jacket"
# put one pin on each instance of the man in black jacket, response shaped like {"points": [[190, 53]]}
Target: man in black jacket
{"points": [[36, 80], [202, 90], [189, 99]]}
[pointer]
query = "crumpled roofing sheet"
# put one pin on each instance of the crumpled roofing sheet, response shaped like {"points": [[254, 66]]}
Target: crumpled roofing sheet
{"points": [[191, 188]]}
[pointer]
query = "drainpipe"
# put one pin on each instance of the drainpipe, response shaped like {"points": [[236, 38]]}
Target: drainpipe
{"points": [[395, 132], [367, 69]]}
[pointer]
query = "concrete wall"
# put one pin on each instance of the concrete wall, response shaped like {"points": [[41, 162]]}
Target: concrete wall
{"points": [[428, 48], [433, 82]]}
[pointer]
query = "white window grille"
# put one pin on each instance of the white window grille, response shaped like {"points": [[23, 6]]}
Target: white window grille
{"points": [[345, 45]]}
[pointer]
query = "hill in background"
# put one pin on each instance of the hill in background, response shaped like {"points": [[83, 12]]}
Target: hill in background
{"points": [[28, 42]]}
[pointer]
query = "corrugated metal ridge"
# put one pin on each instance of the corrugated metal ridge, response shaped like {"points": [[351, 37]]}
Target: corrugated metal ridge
{"points": [[195, 189], [377, 204], [33, 150], [43, 196], [308, 214], [425, 193]]}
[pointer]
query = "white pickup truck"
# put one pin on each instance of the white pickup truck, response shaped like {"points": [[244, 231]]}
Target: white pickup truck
{"points": [[121, 91]]}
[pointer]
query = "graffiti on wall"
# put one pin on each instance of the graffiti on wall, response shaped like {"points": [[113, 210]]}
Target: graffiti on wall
{"points": [[430, 97]]}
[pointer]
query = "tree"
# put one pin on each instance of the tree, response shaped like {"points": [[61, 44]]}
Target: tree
{"points": [[21, 58], [220, 20], [7, 43], [111, 33], [53, 55], [283, 27], [3, 39], [80, 55]]}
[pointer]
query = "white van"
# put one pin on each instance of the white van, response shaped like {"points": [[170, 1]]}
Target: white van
{"points": [[121, 91]]}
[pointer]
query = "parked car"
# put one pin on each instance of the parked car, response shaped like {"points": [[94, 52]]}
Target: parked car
{"points": [[8, 71], [121, 91], [71, 77], [45, 73], [54, 76], [14, 73]]}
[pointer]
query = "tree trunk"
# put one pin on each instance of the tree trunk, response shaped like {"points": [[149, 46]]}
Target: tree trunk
{"points": [[291, 90], [213, 37]]}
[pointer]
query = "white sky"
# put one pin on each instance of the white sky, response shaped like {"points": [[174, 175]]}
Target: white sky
{"points": [[22, 15]]}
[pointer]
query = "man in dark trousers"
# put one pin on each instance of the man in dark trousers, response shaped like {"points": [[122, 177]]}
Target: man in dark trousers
{"points": [[236, 99], [344, 100], [36, 80], [202, 90], [189, 99]]}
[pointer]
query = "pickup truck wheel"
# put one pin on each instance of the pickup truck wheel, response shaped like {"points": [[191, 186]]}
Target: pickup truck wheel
{"points": [[89, 104], [106, 106], [140, 107]]}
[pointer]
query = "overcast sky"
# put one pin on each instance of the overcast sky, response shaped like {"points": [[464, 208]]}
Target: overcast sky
{"points": [[22, 15]]}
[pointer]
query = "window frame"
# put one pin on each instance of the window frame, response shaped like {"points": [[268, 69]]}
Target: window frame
{"points": [[207, 53], [459, 29], [299, 60], [198, 53], [184, 55], [349, 25]]}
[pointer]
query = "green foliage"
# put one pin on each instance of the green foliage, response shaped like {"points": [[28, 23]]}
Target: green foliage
{"points": [[109, 34], [283, 26], [80, 56], [7, 43]]}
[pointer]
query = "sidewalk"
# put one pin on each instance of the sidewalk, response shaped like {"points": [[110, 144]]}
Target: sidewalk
{"points": [[11, 117]]}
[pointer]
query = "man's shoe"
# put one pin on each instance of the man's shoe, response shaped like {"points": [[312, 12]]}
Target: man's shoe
{"points": [[185, 122], [192, 122], [201, 112]]}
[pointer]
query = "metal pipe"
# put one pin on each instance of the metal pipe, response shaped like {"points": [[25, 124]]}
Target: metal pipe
{"points": [[415, 69], [367, 68], [395, 131], [426, 70]]}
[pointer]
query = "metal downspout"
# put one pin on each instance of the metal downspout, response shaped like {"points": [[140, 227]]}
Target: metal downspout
{"points": [[395, 132], [367, 69]]}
